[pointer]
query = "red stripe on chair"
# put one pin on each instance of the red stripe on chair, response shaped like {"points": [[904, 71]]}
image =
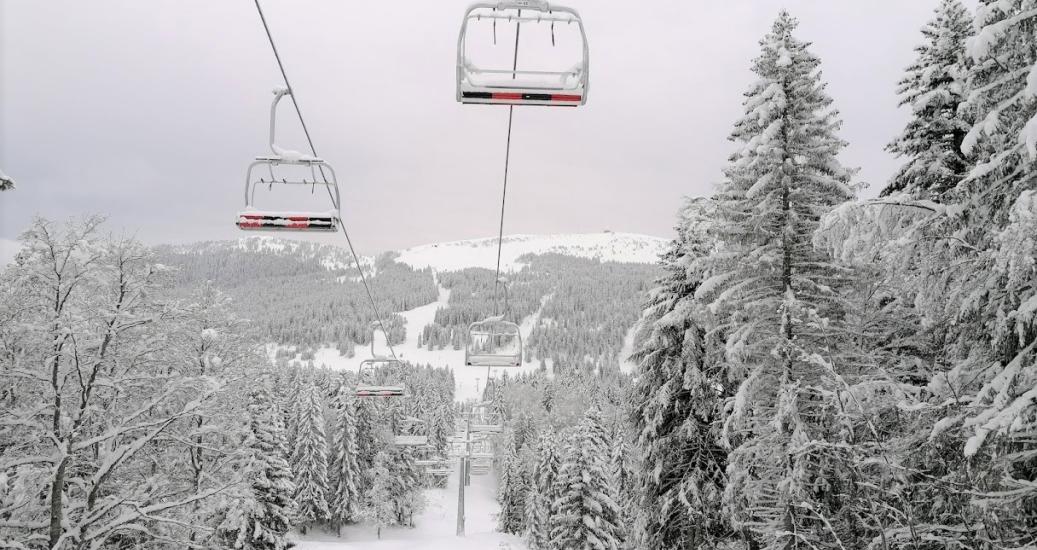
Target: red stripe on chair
{"points": [[506, 95], [565, 97]]}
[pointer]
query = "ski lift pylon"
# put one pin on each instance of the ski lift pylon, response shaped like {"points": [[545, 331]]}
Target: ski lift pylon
{"points": [[262, 172], [511, 86], [493, 342]]}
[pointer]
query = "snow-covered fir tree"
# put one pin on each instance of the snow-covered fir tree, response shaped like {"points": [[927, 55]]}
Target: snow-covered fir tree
{"points": [[264, 516], [512, 490], [587, 514], [379, 504], [540, 511], [310, 460], [368, 440], [345, 476], [779, 304], [407, 498], [935, 88], [676, 408]]}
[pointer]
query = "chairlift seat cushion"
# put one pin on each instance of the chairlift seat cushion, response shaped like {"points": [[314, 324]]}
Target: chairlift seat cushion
{"points": [[256, 220], [475, 360], [410, 440], [380, 391]]}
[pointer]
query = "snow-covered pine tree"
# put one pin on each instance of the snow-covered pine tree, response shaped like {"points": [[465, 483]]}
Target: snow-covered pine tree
{"points": [[540, 501], [310, 460], [935, 88], [513, 487], [1000, 298], [779, 304], [346, 498], [587, 513], [622, 470], [407, 497], [379, 505], [368, 441], [676, 409], [263, 519]]}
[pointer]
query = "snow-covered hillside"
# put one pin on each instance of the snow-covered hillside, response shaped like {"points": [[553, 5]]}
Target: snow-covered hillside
{"points": [[330, 256], [606, 246]]}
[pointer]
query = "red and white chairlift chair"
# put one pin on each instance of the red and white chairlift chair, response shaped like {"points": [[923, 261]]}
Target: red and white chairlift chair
{"points": [[295, 168], [510, 86]]}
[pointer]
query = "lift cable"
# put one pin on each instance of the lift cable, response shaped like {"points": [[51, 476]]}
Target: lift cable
{"points": [[504, 194], [313, 150]]}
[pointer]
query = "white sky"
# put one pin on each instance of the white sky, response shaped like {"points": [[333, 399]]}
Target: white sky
{"points": [[150, 111]]}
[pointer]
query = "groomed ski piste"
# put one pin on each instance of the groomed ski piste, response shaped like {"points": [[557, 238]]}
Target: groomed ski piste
{"points": [[435, 528], [456, 255]]}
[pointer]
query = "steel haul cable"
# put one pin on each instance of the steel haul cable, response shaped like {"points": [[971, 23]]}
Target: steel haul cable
{"points": [[504, 194], [313, 150]]}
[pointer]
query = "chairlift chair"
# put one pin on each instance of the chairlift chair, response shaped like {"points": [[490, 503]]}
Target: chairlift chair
{"points": [[522, 87], [402, 440], [305, 170], [364, 389], [493, 342]]}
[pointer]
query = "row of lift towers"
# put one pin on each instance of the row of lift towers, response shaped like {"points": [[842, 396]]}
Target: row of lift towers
{"points": [[492, 342]]}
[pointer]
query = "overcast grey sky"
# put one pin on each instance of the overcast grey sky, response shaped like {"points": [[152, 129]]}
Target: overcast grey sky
{"points": [[150, 111]]}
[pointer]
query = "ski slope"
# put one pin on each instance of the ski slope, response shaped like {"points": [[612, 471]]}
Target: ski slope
{"points": [[434, 528], [470, 381]]}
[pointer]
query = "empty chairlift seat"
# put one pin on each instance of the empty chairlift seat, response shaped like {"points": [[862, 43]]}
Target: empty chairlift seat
{"points": [[286, 169], [477, 82], [494, 342], [369, 369]]}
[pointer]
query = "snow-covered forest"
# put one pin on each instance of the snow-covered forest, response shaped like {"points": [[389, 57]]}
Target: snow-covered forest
{"points": [[800, 369]]}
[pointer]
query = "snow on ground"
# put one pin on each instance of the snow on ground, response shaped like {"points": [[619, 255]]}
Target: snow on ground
{"points": [[434, 528], [469, 380], [625, 364], [456, 255]]}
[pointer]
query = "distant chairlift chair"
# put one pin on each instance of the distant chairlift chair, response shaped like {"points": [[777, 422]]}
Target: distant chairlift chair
{"points": [[526, 87], [314, 172], [368, 367], [493, 342], [412, 440]]}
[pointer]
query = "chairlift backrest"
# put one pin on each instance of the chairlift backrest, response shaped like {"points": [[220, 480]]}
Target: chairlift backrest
{"points": [[512, 86]]}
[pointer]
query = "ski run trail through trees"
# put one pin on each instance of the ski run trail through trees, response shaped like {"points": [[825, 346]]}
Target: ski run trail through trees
{"points": [[470, 381], [434, 528]]}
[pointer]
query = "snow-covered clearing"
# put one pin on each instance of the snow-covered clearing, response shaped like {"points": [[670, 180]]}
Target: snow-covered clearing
{"points": [[434, 528], [625, 364]]}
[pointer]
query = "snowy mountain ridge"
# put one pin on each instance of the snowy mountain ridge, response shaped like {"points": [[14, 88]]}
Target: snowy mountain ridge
{"points": [[455, 255], [606, 246]]}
